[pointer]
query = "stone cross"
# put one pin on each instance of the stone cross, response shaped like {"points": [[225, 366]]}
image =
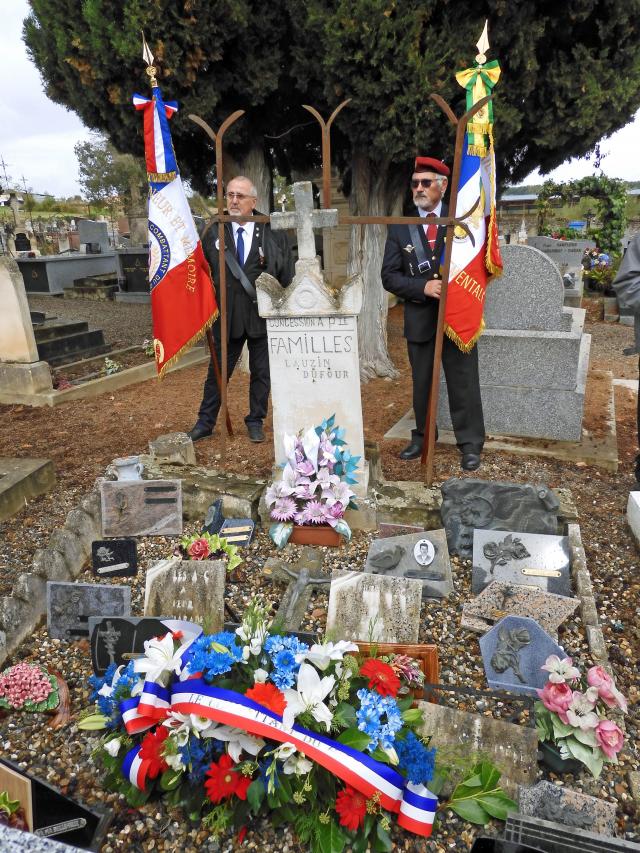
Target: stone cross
{"points": [[302, 577], [304, 219]]}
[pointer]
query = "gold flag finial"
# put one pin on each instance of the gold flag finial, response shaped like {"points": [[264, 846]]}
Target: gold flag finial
{"points": [[148, 58], [483, 45]]}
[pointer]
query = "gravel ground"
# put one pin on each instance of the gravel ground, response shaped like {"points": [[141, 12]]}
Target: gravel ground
{"points": [[83, 437]]}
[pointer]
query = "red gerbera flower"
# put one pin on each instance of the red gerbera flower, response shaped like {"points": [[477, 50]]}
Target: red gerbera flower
{"points": [[242, 786], [351, 806], [150, 750], [269, 696], [381, 677], [223, 780]]}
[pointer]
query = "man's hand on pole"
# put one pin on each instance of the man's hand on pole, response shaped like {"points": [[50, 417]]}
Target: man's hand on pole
{"points": [[432, 288]]}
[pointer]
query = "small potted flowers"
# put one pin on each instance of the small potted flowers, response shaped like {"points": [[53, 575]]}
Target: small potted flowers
{"points": [[28, 687], [204, 546], [571, 716], [309, 502]]}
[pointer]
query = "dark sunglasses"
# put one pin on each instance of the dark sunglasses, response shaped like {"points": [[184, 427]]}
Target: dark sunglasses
{"points": [[423, 182]]}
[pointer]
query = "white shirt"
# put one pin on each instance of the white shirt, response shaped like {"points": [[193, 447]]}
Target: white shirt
{"points": [[247, 236]]}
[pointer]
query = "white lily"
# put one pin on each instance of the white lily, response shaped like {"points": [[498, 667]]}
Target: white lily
{"points": [[159, 661], [297, 764], [321, 654], [260, 676], [310, 445], [113, 746], [237, 740], [175, 761], [309, 697]]}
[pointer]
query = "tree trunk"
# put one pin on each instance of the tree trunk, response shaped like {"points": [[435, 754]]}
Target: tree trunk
{"points": [[254, 166], [374, 192]]}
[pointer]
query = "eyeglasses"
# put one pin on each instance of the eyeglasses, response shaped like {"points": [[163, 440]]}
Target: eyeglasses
{"points": [[238, 196], [424, 182]]}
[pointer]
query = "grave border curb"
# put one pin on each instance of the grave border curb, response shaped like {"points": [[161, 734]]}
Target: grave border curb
{"points": [[584, 591]]}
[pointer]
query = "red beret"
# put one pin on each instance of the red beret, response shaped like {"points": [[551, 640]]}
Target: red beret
{"points": [[430, 164]]}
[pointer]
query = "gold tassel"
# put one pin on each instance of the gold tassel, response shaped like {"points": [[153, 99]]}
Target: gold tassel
{"points": [[194, 340]]}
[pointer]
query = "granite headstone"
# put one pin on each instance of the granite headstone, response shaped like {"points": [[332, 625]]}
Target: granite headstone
{"points": [[214, 518], [112, 558], [187, 589], [69, 606], [423, 556], [528, 559], [552, 802], [513, 652], [141, 508], [500, 599]]}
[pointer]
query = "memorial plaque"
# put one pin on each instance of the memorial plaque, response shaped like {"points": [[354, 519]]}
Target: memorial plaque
{"points": [[238, 531], [117, 640], [141, 507], [423, 556], [551, 802], [373, 608], [187, 589], [114, 558], [69, 606], [529, 559], [214, 518], [513, 652], [503, 599]]}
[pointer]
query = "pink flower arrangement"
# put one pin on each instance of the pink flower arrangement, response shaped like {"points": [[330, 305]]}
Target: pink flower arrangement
{"points": [[24, 686], [572, 711]]}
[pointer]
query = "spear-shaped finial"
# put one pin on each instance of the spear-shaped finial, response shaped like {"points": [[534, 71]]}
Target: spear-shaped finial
{"points": [[148, 58], [483, 45]]}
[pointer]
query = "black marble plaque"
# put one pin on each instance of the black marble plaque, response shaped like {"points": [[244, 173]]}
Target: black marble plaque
{"points": [[214, 518], [238, 531], [114, 639], [114, 558]]}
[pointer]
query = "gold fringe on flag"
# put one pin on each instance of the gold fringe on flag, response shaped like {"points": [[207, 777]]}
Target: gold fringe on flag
{"points": [[492, 230], [465, 346], [194, 340]]}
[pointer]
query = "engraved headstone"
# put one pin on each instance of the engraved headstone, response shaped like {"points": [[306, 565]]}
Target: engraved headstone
{"points": [[113, 558], [113, 637], [374, 608], [423, 556], [513, 652], [302, 578], [238, 531], [528, 559], [551, 802], [469, 505], [187, 589], [500, 599], [69, 606], [141, 507]]}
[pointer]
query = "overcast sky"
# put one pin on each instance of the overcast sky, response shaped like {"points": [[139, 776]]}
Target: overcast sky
{"points": [[37, 136]]}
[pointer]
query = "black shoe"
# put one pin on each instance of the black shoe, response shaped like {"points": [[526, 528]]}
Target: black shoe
{"points": [[197, 432], [411, 451], [470, 461], [256, 433]]}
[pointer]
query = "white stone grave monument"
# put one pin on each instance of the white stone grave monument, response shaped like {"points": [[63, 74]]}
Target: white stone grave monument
{"points": [[313, 340]]}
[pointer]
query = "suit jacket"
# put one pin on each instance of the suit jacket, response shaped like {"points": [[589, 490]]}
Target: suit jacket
{"points": [[242, 311], [400, 275]]}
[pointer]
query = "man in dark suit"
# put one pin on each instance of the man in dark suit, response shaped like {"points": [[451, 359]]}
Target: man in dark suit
{"points": [[255, 248], [411, 270]]}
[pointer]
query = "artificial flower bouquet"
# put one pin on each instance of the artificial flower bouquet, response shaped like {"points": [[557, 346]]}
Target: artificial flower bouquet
{"points": [[235, 725], [572, 712], [28, 687], [207, 546], [315, 485]]}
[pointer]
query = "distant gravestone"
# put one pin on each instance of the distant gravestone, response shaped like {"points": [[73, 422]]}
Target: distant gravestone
{"points": [[69, 606], [530, 559], [513, 652], [372, 608], [141, 507], [552, 802], [94, 234], [500, 599], [469, 505], [567, 254], [423, 556], [187, 589], [114, 557]]}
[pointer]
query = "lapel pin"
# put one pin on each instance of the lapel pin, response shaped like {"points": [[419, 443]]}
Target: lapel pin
{"points": [[408, 248]]}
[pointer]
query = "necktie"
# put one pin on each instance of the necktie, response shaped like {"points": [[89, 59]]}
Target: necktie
{"points": [[431, 230], [240, 246]]}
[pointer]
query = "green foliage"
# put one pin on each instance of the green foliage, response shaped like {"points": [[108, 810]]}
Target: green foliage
{"points": [[611, 200], [479, 797], [106, 175]]}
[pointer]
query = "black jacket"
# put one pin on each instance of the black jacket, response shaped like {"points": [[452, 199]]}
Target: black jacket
{"points": [[400, 275], [242, 311]]}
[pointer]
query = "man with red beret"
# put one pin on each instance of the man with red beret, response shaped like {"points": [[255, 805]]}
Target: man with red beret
{"points": [[411, 270]]}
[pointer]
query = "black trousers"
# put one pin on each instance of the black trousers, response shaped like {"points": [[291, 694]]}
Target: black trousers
{"points": [[259, 383], [463, 385]]}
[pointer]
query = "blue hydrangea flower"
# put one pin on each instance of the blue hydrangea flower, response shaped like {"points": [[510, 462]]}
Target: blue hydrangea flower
{"points": [[415, 759], [373, 708], [282, 651], [210, 661]]}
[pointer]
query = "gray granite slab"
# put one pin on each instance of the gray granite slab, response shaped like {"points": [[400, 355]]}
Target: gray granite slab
{"points": [[555, 803], [69, 606], [373, 608], [15, 841], [187, 589], [527, 559], [513, 652], [141, 507], [423, 556], [500, 599]]}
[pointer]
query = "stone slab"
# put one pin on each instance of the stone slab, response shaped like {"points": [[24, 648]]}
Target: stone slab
{"points": [[174, 448], [17, 341], [21, 480], [513, 652], [372, 608], [69, 606], [187, 589], [114, 558], [141, 507], [512, 748], [527, 559], [424, 556], [550, 837], [500, 599], [559, 804], [51, 274], [408, 502], [16, 841], [633, 515]]}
